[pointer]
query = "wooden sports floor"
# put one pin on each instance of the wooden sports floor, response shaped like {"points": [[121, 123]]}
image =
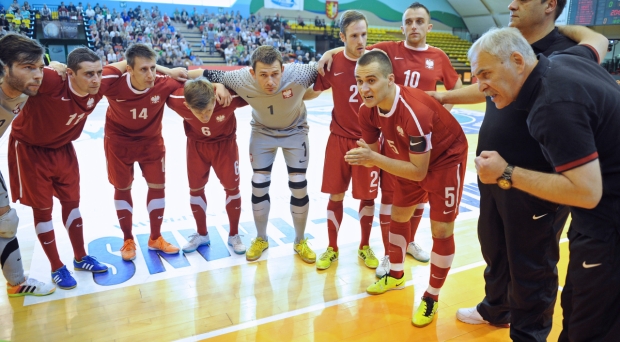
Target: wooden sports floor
{"points": [[278, 299]]}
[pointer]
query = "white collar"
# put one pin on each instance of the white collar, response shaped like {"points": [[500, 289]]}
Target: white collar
{"points": [[396, 99], [416, 49]]}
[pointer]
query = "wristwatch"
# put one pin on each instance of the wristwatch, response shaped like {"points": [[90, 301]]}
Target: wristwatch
{"points": [[505, 182]]}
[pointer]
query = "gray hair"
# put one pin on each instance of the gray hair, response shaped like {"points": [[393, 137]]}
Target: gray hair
{"points": [[501, 43]]}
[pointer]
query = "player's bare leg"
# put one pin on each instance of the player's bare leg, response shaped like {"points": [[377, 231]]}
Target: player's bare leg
{"points": [[156, 204]]}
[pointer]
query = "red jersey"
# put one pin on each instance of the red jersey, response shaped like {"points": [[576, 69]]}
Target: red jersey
{"points": [[134, 116], [346, 97], [419, 68], [57, 114], [416, 124], [222, 125]]}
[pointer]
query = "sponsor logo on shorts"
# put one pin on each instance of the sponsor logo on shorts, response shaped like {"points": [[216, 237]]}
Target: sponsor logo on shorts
{"points": [[160, 217], [590, 265], [399, 58], [338, 73], [302, 161], [288, 93], [447, 212], [534, 217], [373, 190]]}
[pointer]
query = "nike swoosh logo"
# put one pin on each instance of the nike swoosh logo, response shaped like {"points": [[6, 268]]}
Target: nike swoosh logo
{"points": [[47, 243], [79, 225], [160, 217], [447, 212], [399, 284], [237, 208], [121, 100], [236, 179], [249, 97], [373, 190], [62, 98], [338, 73], [537, 217], [589, 265], [121, 218], [384, 222], [418, 143], [398, 58], [432, 275], [302, 161], [19, 259]]}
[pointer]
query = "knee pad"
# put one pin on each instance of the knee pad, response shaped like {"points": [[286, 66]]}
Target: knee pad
{"points": [[260, 185], [8, 224], [298, 185]]}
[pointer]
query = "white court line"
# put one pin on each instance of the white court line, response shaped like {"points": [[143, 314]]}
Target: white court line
{"points": [[321, 306]]}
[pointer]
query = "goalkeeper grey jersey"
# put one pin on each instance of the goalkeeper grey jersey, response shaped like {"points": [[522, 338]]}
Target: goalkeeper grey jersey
{"points": [[9, 108], [280, 114]]}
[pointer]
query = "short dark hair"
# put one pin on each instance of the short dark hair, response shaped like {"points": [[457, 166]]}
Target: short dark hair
{"points": [[1, 70], [417, 5], [79, 55], [198, 93], [19, 49], [265, 54], [349, 17], [377, 56], [558, 8], [139, 50]]}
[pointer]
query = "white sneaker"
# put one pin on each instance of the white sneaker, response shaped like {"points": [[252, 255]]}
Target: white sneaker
{"points": [[384, 267], [472, 316], [417, 252], [236, 243], [196, 240], [30, 287]]}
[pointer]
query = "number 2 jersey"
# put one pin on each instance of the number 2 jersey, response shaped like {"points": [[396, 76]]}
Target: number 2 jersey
{"points": [[57, 114], [135, 116], [221, 126], [416, 124], [419, 68], [341, 78]]}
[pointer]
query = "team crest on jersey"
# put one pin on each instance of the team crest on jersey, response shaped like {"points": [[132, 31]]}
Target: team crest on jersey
{"points": [[288, 93], [400, 131], [90, 103], [220, 118], [155, 99], [17, 109], [430, 64]]}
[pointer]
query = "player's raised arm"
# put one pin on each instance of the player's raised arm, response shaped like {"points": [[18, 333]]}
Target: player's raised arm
{"points": [[584, 36], [465, 95], [327, 58], [121, 66]]}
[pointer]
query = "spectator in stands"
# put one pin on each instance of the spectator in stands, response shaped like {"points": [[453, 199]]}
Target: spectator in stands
{"points": [[79, 8], [244, 59], [72, 7], [17, 15], [14, 6], [27, 6], [25, 13], [46, 13], [112, 56], [90, 13], [228, 54], [317, 22], [190, 24], [23, 29], [299, 60], [306, 58], [197, 61], [300, 21], [299, 52], [63, 12]]}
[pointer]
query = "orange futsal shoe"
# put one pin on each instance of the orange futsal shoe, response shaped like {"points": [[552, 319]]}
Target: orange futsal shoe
{"points": [[128, 251], [162, 245]]}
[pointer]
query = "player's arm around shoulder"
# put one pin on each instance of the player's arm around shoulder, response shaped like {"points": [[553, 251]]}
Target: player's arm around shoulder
{"points": [[584, 36]]}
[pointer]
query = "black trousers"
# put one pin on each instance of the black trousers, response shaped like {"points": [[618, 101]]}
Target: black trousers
{"points": [[591, 295], [519, 236]]}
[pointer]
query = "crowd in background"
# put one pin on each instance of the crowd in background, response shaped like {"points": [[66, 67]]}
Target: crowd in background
{"points": [[16, 12]]}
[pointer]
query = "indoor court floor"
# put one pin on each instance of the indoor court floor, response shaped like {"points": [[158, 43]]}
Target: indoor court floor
{"points": [[216, 294]]}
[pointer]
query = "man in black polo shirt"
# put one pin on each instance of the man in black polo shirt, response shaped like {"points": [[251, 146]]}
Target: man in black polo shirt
{"points": [[575, 120], [518, 233]]}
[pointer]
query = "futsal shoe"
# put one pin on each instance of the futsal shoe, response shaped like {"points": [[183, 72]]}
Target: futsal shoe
{"points": [[236, 243], [196, 240], [128, 251], [162, 245], [326, 259], [63, 278], [384, 267], [368, 256], [256, 249], [305, 253], [89, 263], [425, 313], [417, 252], [30, 287], [386, 283], [472, 316]]}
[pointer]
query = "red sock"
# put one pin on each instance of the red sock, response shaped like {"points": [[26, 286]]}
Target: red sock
{"points": [[124, 211], [415, 221], [198, 202], [366, 214], [399, 235], [385, 217], [334, 219], [441, 261], [155, 199], [233, 209], [72, 219], [45, 233]]}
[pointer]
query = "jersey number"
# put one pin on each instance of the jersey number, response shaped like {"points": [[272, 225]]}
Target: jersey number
{"points": [[355, 91], [72, 117], [392, 146], [237, 168], [450, 197], [206, 131], [270, 109], [142, 114], [412, 78], [374, 182]]}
